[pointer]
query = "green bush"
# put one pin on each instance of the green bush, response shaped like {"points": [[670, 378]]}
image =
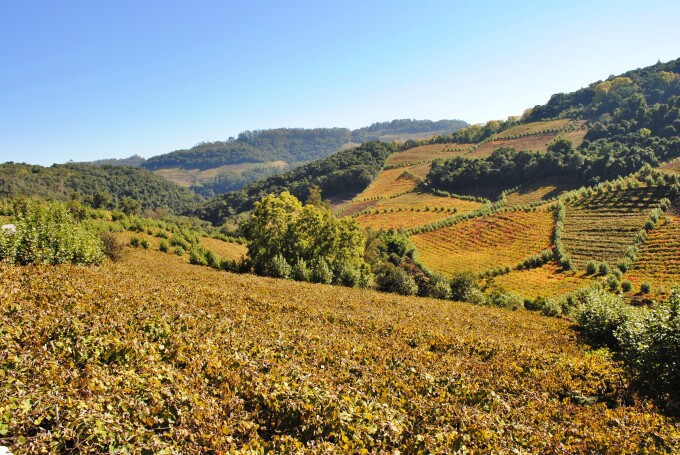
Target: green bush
{"points": [[645, 288], [626, 286], [163, 246], [599, 316], [395, 279], [179, 251], [591, 267], [461, 287], [279, 267], [301, 271], [48, 234], [144, 243], [134, 241], [197, 257], [321, 272]]}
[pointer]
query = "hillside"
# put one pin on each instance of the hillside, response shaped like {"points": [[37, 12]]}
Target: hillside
{"points": [[100, 186], [212, 168], [168, 356]]}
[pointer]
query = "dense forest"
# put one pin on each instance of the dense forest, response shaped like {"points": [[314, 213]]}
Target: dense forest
{"points": [[625, 132], [98, 186], [134, 161], [343, 173]]}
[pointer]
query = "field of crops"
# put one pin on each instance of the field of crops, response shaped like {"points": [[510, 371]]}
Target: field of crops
{"points": [[576, 137], [428, 152], [224, 250], [503, 239], [152, 355], [602, 226], [390, 182], [539, 191], [658, 261], [672, 167], [535, 142], [188, 177], [545, 281], [534, 127], [414, 209]]}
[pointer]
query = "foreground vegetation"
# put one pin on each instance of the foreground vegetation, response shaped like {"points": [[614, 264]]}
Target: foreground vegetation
{"points": [[167, 356]]}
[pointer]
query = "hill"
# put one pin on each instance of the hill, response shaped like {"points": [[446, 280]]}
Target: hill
{"points": [[99, 186], [164, 355], [212, 168]]}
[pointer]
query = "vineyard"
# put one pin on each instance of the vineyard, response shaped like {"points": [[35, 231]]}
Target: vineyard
{"points": [[168, 357], [658, 261], [534, 127], [671, 167], [600, 227], [534, 142], [428, 152], [390, 182], [540, 191], [546, 281], [500, 240], [414, 209]]}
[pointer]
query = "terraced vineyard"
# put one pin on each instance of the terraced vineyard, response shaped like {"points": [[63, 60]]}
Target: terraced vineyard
{"points": [[502, 239], [428, 152], [671, 167], [164, 357], [602, 226], [546, 281], [390, 182], [658, 261], [534, 127], [414, 209], [540, 191], [535, 142]]}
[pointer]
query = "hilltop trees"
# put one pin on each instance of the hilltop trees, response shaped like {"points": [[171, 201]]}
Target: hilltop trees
{"points": [[287, 238]]}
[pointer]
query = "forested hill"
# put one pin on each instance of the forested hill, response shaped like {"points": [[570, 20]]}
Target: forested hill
{"points": [[99, 186], [401, 129], [346, 172]]}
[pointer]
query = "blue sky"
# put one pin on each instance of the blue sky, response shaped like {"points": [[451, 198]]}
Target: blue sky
{"points": [[90, 80]]}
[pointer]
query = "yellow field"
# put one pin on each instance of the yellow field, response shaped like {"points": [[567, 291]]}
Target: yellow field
{"points": [[576, 136], [420, 170], [671, 167], [602, 226], [536, 143], [545, 281], [539, 191], [426, 209], [188, 177], [154, 355], [534, 127], [658, 261], [428, 152], [503, 239], [390, 182], [225, 250]]}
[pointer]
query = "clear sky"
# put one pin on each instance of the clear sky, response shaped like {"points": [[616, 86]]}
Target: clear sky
{"points": [[86, 80]]}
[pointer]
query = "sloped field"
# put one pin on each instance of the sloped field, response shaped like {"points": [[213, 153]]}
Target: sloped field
{"points": [[225, 250], [534, 127], [545, 281], [388, 183], [500, 240], [153, 355], [602, 226], [672, 167], [539, 191], [535, 142], [414, 209], [658, 261], [428, 152]]}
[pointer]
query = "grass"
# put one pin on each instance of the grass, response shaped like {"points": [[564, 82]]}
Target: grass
{"points": [[540, 191], [428, 152], [545, 281], [602, 226], [414, 209], [389, 182], [499, 240], [658, 261], [151, 354]]}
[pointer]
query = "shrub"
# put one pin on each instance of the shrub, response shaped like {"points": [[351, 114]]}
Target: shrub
{"points": [[211, 259], [461, 286], [591, 267], [113, 249], [395, 279], [197, 257], [348, 276], [163, 246], [279, 267], [599, 315], [604, 268], [507, 300], [134, 241], [144, 243], [321, 272], [228, 265], [48, 234], [179, 251], [626, 285], [436, 286], [645, 288], [301, 271]]}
